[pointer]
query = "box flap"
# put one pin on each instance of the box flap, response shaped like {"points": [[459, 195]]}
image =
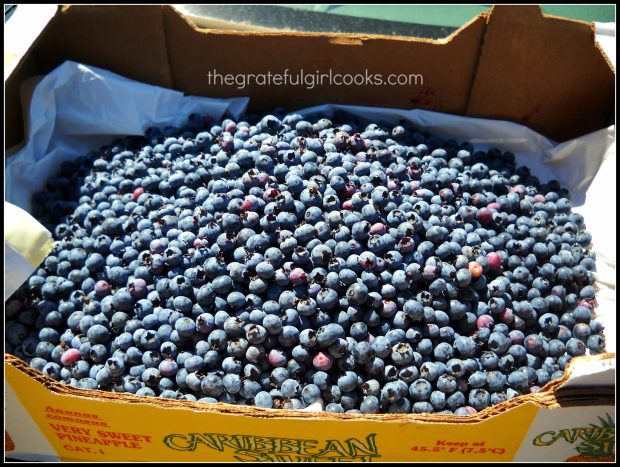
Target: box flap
{"points": [[544, 72], [128, 40], [446, 67], [514, 64]]}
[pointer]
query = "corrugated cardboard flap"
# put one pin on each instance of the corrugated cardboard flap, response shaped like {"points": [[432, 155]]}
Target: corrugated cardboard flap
{"points": [[446, 67], [513, 64], [544, 72]]}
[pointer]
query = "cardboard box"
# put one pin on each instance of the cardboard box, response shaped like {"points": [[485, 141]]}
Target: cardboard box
{"points": [[511, 63]]}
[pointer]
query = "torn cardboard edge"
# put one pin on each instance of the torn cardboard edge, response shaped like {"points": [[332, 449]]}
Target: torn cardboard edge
{"points": [[578, 36], [550, 397], [492, 67]]}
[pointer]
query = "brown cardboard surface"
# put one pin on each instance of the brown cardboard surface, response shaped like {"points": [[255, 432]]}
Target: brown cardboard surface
{"points": [[543, 72], [127, 40], [14, 125], [447, 67], [514, 64]]}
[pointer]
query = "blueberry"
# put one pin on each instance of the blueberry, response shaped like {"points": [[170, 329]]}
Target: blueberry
{"points": [[313, 250], [420, 390]]}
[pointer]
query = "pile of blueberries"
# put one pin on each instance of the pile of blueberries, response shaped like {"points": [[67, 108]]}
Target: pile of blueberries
{"points": [[368, 267]]}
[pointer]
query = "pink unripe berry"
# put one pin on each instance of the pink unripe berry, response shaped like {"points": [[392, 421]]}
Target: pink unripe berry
{"points": [[138, 288], [494, 206], [539, 198], [494, 259], [377, 229], [271, 193], [485, 215], [70, 356], [137, 192], [367, 260], [506, 316], [298, 276], [102, 288], [276, 358], [322, 361], [348, 205], [484, 321]]}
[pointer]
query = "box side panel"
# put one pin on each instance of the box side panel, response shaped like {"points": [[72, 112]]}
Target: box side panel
{"points": [[24, 440], [127, 429], [445, 69], [13, 111], [128, 40], [573, 434], [543, 72]]}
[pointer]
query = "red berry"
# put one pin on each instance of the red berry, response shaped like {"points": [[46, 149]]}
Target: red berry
{"points": [[70, 356], [270, 193], [377, 229], [349, 190], [506, 316], [298, 276], [485, 321], [494, 259], [485, 215], [102, 288], [348, 205], [475, 269], [137, 192], [322, 361], [277, 358], [406, 244]]}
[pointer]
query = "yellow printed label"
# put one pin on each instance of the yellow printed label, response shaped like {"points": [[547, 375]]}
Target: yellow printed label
{"points": [[91, 429]]}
